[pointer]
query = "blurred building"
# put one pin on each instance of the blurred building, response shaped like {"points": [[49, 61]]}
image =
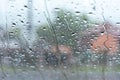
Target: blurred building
{"points": [[100, 38]]}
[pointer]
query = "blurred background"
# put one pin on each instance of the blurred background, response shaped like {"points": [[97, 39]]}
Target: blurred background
{"points": [[59, 39]]}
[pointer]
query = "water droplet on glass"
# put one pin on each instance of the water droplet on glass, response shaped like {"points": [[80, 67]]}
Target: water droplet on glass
{"points": [[13, 23], [77, 12], [44, 28], [90, 13], [57, 9], [38, 21], [22, 21], [118, 23], [19, 15], [25, 6], [22, 9]]}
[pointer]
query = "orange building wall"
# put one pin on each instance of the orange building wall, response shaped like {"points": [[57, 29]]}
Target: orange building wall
{"points": [[105, 41]]}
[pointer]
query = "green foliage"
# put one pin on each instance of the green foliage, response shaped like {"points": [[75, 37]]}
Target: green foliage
{"points": [[44, 32], [66, 26], [15, 32]]}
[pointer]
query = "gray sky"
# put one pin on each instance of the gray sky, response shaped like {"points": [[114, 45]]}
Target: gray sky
{"points": [[11, 8]]}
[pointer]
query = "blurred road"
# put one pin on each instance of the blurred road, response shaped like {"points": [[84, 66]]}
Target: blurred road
{"points": [[58, 75]]}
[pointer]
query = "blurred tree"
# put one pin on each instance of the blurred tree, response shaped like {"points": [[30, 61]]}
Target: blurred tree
{"points": [[14, 33], [66, 25], [64, 29], [44, 32], [22, 53]]}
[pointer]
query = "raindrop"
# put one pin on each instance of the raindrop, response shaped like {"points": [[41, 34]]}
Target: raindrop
{"points": [[58, 18], [102, 33], [114, 58], [94, 8], [19, 15], [71, 20], [12, 6], [68, 13], [13, 23], [12, 26], [38, 13], [38, 21], [72, 23], [11, 32], [119, 36], [65, 67], [73, 34], [32, 67], [25, 6], [110, 16], [22, 21], [62, 35], [22, 9], [117, 9], [72, 2], [41, 66], [76, 21], [85, 21], [36, 9], [57, 9], [77, 12], [27, 22], [15, 44], [44, 28], [117, 22], [90, 13]]}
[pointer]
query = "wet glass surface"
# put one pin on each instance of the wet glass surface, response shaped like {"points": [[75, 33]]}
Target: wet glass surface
{"points": [[59, 40]]}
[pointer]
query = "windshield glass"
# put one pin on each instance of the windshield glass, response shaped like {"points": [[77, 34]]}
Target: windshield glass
{"points": [[59, 40]]}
